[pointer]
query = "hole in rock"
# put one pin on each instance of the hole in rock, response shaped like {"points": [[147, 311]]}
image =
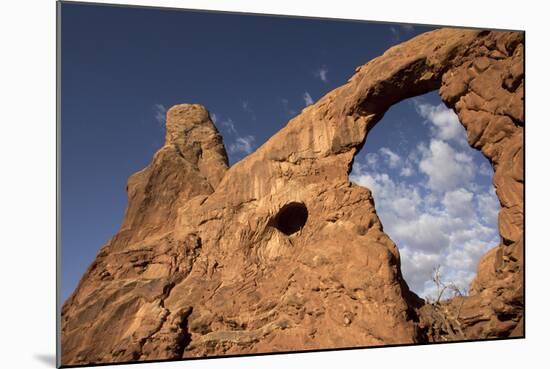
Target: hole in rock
{"points": [[433, 192], [291, 218]]}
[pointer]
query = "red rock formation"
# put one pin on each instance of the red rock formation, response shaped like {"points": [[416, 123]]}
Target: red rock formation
{"points": [[281, 252]]}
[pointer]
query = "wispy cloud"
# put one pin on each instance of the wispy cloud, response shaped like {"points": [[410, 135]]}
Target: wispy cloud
{"points": [[245, 104], [400, 31], [160, 113], [372, 160], [229, 125], [286, 107], [322, 74], [214, 117], [237, 144], [392, 158], [308, 100], [242, 145], [394, 33]]}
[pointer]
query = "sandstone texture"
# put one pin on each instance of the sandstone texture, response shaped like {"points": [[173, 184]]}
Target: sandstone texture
{"points": [[280, 252]]}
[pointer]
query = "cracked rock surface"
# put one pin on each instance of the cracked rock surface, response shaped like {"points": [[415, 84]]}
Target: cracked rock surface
{"points": [[280, 252]]}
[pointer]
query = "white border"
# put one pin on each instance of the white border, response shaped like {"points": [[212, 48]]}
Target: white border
{"points": [[27, 181]]}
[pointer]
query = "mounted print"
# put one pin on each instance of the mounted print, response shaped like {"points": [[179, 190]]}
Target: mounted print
{"points": [[242, 184]]}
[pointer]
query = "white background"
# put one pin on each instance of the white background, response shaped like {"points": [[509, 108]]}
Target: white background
{"points": [[27, 182]]}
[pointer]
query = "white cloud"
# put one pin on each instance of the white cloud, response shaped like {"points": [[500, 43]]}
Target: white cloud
{"points": [[392, 158], [242, 145], [229, 125], [446, 168], [286, 107], [308, 100], [214, 117], [444, 227], [444, 122], [322, 74], [237, 144], [459, 203], [245, 104], [462, 157], [488, 206], [485, 169], [397, 31], [425, 231], [417, 267], [372, 159], [406, 172], [160, 113], [464, 260]]}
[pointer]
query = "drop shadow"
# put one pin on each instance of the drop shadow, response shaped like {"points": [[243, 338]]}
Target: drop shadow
{"points": [[48, 359]]}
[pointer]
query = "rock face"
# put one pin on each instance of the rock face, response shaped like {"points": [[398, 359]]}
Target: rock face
{"points": [[281, 252]]}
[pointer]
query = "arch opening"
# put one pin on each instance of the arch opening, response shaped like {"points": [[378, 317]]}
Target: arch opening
{"points": [[433, 192], [291, 218]]}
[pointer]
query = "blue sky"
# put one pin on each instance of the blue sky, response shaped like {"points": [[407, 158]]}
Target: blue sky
{"points": [[123, 67]]}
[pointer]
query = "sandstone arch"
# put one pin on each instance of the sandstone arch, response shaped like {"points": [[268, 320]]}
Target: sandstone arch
{"points": [[196, 268]]}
